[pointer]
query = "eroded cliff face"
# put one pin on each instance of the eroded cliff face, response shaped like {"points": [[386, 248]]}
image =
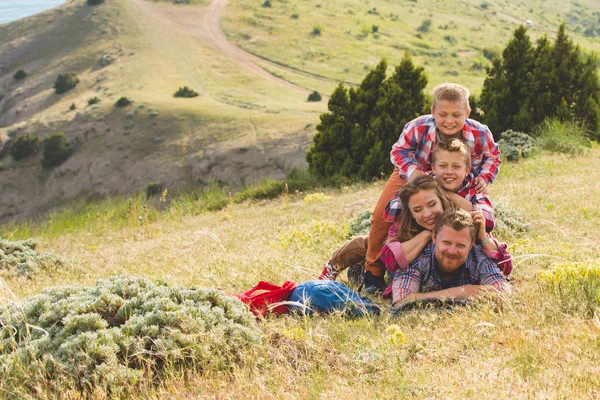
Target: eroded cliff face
{"points": [[102, 164]]}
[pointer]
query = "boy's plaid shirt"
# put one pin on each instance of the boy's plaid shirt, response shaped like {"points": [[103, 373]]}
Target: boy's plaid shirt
{"points": [[423, 275], [480, 202], [414, 147]]}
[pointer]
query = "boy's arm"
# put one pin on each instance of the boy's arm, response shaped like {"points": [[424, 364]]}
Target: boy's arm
{"points": [[485, 145], [483, 203], [489, 274], [396, 255], [459, 201], [403, 154]]}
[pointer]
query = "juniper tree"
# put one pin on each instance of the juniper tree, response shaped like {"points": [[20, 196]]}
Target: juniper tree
{"points": [[355, 137], [505, 90]]}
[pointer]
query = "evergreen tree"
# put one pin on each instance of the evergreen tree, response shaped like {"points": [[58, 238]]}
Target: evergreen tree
{"points": [[527, 86], [355, 137], [402, 99], [505, 90]]}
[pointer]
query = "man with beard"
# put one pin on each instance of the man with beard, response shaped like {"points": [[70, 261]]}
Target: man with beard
{"points": [[451, 267]]}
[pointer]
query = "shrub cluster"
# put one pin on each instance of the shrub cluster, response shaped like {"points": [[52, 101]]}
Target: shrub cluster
{"points": [[65, 82], [56, 150], [20, 74], [314, 96], [562, 137], [153, 189], [185, 92], [516, 145], [118, 333], [93, 100], [24, 146], [21, 259], [123, 102], [509, 222], [575, 284], [360, 224]]}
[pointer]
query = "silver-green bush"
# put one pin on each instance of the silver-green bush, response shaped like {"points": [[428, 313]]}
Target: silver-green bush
{"points": [[361, 224], [21, 259], [119, 332], [516, 145], [509, 222]]}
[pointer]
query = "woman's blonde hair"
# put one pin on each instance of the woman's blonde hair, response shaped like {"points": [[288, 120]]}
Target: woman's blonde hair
{"points": [[407, 226]]}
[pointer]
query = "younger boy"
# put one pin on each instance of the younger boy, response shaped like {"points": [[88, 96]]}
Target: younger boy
{"points": [[412, 156]]}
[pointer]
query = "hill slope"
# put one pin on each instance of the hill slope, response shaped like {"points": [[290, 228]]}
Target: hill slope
{"points": [[539, 344], [251, 118]]}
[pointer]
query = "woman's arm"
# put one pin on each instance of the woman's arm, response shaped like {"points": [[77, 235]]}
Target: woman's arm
{"points": [[396, 255]]}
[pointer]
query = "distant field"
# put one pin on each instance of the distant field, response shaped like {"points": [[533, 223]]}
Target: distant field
{"points": [[355, 35]]}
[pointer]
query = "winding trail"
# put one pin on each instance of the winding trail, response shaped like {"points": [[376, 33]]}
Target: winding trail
{"points": [[204, 23]]}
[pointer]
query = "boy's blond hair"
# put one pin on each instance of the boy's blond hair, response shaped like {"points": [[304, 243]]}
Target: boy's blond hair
{"points": [[453, 146], [451, 92]]}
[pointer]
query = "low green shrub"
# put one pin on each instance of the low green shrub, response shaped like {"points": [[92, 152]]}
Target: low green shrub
{"points": [[562, 137], [73, 107], [316, 30], [65, 82], [576, 285], [122, 333], [509, 222], [56, 150], [94, 2], [123, 102], [20, 259], [20, 74], [360, 224], [267, 4], [516, 145], [93, 100], [269, 189], [185, 92], [24, 146], [153, 189], [314, 96], [295, 16]]}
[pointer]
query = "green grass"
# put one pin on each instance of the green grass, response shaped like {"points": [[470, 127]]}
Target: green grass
{"points": [[540, 343], [272, 34]]}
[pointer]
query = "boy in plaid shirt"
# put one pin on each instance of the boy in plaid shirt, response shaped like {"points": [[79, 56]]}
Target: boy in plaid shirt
{"points": [[412, 157]]}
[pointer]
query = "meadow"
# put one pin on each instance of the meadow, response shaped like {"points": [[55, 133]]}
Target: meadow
{"points": [[543, 342]]}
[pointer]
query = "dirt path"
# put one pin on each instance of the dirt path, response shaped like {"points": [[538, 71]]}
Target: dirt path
{"points": [[203, 23]]}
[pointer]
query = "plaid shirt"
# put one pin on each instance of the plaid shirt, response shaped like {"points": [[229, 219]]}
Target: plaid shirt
{"points": [[413, 149], [423, 274], [480, 202]]}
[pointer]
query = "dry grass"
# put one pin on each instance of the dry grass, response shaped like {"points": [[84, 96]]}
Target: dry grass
{"points": [[531, 347]]}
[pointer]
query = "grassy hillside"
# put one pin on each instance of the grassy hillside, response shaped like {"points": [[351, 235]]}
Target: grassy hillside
{"points": [[253, 100], [450, 46], [540, 343]]}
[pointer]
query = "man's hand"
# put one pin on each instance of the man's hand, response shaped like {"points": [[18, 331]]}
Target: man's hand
{"points": [[480, 185]]}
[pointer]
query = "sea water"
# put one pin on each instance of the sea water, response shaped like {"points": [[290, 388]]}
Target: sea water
{"points": [[11, 10]]}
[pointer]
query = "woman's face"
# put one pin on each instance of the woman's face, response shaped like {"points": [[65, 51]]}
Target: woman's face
{"points": [[425, 207]]}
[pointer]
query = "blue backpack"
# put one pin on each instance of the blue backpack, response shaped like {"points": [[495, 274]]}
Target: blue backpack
{"points": [[325, 296]]}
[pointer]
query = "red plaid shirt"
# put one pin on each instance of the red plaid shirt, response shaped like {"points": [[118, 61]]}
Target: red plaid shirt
{"points": [[414, 147]]}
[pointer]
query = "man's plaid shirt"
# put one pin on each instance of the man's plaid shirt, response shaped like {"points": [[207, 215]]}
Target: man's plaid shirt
{"points": [[423, 274], [414, 147]]}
